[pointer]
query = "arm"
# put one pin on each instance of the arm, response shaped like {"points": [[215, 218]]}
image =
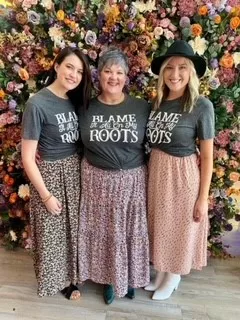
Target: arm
{"points": [[206, 168], [29, 148]]}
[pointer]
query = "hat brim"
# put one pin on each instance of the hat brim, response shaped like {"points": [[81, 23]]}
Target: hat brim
{"points": [[199, 63]]}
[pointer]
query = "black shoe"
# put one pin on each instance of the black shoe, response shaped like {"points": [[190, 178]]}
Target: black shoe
{"points": [[70, 292], [108, 293], [131, 293]]}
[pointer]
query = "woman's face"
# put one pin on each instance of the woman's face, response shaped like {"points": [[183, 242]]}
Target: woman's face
{"points": [[69, 72], [112, 79], [176, 75]]}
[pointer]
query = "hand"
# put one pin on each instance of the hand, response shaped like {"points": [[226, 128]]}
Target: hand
{"points": [[54, 206], [200, 210]]}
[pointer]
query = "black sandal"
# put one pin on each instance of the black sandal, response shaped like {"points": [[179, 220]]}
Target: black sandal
{"points": [[68, 292]]}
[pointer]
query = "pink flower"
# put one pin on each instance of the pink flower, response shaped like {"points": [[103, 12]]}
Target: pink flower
{"points": [[229, 106], [164, 23], [223, 138], [220, 154], [187, 7], [226, 76], [235, 146], [172, 27], [168, 34]]}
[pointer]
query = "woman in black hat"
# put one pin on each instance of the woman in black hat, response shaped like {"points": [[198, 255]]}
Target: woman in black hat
{"points": [[178, 188]]}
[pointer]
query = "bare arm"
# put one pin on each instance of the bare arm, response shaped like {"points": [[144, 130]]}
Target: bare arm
{"points": [[29, 148], [206, 158]]}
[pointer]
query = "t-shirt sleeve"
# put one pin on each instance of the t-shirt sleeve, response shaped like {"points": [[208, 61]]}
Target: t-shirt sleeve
{"points": [[32, 122], [206, 121]]}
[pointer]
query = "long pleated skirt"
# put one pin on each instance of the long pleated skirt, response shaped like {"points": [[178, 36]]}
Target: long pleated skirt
{"points": [[113, 236], [177, 243], [54, 237]]}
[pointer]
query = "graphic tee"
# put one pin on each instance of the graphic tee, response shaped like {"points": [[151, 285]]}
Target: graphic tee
{"points": [[175, 132], [113, 135], [54, 123]]}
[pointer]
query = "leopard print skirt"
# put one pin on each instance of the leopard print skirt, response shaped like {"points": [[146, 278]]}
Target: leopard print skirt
{"points": [[113, 235], [54, 238]]}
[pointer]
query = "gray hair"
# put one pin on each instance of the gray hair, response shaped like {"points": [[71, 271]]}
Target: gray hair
{"points": [[112, 56]]}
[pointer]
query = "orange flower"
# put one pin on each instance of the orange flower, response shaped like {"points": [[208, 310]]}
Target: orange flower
{"points": [[234, 176], [13, 197], [6, 178], [67, 21], [203, 11], [2, 94], [220, 171], [217, 19], [60, 15], [227, 61], [196, 29], [23, 74], [234, 23], [10, 181]]}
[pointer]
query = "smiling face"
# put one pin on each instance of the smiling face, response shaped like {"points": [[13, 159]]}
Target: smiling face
{"points": [[112, 79], [176, 76], [69, 73]]}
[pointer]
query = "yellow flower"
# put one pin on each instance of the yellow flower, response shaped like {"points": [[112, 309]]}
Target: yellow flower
{"points": [[217, 19], [2, 94], [219, 171], [60, 15], [23, 74]]}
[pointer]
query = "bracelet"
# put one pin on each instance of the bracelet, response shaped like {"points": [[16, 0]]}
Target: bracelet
{"points": [[47, 198]]}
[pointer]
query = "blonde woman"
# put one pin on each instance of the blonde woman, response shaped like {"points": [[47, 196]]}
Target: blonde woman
{"points": [[178, 188]]}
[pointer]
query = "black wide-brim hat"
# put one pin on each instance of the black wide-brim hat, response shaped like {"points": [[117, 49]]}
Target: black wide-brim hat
{"points": [[180, 48]]}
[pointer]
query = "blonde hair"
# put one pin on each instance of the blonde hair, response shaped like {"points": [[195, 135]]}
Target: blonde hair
{"points": [[190, 95]]}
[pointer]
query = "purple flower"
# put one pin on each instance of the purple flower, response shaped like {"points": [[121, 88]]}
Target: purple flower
{"points": [[184, 22], [228, 227], [101, 20], [130, 25], [12, 105], [214, 63]]}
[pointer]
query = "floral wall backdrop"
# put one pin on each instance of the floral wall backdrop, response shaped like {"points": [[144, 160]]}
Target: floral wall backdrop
{"points": [[33, 31]]}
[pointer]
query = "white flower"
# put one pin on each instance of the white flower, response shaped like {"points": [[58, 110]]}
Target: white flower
{"points": [[56, 34], [158, 31], [13, 235], [23, 191], [236, 58], [90, 38], [47, 4], [199, 45], [143, 7]]}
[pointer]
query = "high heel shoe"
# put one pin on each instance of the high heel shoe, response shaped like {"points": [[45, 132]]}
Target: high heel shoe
{"points": [[155, 283], [171, 283]]}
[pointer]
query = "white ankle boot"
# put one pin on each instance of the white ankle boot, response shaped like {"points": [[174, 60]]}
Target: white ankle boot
{"points": [[156, 282], [170, 283]]}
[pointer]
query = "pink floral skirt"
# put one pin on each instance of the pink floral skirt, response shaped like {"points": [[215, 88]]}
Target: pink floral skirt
{"points": [[113, 235], [177, 243]]}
